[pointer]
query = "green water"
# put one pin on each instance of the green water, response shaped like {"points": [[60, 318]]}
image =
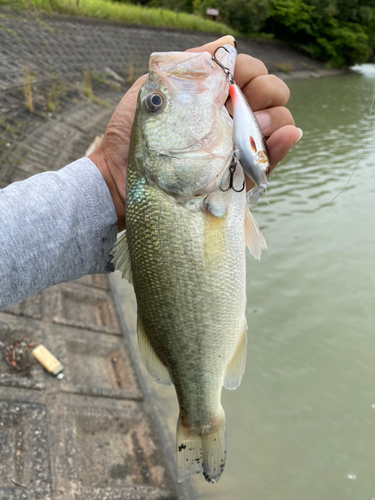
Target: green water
{"points": [[302, 423]]}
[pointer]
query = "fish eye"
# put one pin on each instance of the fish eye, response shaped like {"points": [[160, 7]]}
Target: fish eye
{"points": [[154, 102]]}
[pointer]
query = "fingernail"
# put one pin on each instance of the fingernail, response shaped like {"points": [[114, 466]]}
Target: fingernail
{"points": [[300, 132], [232, 37], [264, 120]]}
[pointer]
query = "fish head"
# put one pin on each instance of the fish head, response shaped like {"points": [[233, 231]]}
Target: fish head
{"points": [[185, 131]]}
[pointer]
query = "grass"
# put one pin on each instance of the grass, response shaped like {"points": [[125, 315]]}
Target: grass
{"points": [[133, 14], [87, 89], [27, 91], [131, 75], [104, 79], [46, 91], [7, 30], [284, 67], [53, 94]]}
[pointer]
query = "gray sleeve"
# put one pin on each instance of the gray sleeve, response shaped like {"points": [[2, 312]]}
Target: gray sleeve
{"points": [[54, 227]]}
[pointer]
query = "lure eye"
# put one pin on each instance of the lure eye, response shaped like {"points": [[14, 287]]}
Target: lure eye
{"points": [[154, 102], [268, 170]]}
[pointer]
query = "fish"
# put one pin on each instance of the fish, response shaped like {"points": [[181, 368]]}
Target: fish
{"points": [[184, 247]]}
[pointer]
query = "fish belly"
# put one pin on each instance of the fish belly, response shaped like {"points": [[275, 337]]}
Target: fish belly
{"points": [[189, 278]]}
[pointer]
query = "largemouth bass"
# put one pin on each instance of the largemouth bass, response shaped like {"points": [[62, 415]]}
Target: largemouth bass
{"points": [[184, 247]]}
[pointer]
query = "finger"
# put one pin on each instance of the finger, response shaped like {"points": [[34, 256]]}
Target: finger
{"points": [[125, 110], [278, 146], [212, 46], [272, 119], [134, 89], [247, 68], [266, 91], [281, 141]]}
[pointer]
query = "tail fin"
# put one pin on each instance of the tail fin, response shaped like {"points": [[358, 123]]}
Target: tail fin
{"points": [[204, 452]]}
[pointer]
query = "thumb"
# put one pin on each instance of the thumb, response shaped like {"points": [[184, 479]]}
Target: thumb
{"points": [[212, 46]]}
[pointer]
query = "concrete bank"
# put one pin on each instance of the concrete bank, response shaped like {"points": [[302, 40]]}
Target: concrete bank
{"points": [[94, 434], [64, 44]]}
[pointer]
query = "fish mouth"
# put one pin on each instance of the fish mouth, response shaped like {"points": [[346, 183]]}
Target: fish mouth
{"points": [[186, 65], [203, 189], [215, 183]]}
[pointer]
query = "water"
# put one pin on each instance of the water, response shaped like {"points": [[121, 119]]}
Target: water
{"points": [[302, 423]]}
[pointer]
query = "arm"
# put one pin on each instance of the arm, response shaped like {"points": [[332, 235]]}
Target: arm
{"points": [[55, 227]]}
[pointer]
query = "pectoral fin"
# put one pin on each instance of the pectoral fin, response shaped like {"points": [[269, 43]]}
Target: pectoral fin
{"points": [[254, 239], [156, 368], [121, 258], [236, 366]]}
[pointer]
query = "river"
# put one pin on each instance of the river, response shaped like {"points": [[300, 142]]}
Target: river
{"points": [[302, 423]]}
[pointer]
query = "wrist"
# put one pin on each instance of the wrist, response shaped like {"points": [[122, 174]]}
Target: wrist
{"points": [[102, 163]]}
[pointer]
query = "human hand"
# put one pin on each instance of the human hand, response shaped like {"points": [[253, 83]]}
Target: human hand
{"points": [[266, 94]]}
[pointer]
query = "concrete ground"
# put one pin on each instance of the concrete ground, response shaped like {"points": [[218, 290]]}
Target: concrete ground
{"points": [[91, 435]]}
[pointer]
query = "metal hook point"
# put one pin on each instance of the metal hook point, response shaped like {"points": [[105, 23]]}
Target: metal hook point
{"points": [[217, 61], [226, 70]]}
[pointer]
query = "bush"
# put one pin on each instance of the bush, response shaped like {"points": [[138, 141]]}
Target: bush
{"points": [[247, 16], [323, 31]]}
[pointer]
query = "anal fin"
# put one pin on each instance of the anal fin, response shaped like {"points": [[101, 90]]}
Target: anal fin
{"points": [[121, 257], [236, 366], [155, 367], [254, 239]]}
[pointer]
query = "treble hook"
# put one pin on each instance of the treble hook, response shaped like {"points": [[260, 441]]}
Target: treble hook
{"points": [[232, 169], [226, 70]]}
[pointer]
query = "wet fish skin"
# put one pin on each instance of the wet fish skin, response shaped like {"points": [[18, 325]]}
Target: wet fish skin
{"points": [[184, 249]]}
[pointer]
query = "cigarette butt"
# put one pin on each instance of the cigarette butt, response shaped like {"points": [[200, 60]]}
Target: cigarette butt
{"points": [[48, 360]]}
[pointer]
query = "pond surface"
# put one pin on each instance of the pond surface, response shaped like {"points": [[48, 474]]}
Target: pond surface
{"points": [[302, 423]]}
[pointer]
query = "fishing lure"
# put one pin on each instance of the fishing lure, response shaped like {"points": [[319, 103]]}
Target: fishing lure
{"points": [[249, 143]]}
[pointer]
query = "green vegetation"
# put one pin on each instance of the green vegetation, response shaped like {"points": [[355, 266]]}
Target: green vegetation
{"points": [[87, 89], [126, 13], [47, 91], [337, 32], [247, 16], [284, 67], [53, 92], [27, 91], [104, 79]]}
